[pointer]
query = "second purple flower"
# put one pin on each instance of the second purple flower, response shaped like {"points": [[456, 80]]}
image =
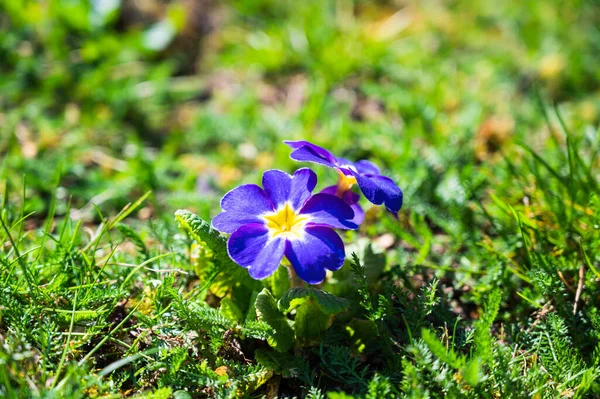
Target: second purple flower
{"points": [[378, 189]]}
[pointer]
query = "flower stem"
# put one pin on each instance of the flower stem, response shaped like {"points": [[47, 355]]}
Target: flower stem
{"points": [[294, 280]]}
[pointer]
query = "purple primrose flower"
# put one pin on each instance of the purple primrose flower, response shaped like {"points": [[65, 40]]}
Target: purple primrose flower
{"points": [[377, 189], [284, 218]]}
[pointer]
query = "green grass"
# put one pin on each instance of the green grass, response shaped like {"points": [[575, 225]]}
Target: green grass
{"points": [[485, 113]]}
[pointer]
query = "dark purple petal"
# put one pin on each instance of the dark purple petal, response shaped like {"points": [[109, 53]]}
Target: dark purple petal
{"points": [[350, 198], [369, 188], [345, 163], [320, 248], [304, 182], [381, 190], [346, 171], [276, 184], [251, 247], [329, 210], [359, 213], [248, 198], [392, 193], [308, 155], [296, 189], [294, 145], [329, 190], [241, 206], [308, 152], [228, 222], [367, 167]]}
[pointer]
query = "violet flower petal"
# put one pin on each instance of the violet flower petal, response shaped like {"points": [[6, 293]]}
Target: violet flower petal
{"points": [[329, 210], [247, 198], [317, 149], [367, 167], [320, 248], [380, 190], [351, 198], [308, 152], [251, 247], [359, 214], [343, 163], [281, 187], [241, 206], [228, 222]]}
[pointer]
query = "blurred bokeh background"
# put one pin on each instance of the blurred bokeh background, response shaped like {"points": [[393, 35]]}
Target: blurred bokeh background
{"points": [[187, 98], [486, 114]]}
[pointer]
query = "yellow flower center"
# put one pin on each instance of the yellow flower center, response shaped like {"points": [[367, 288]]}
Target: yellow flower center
{"points": [[344, 184], [285, 221]]}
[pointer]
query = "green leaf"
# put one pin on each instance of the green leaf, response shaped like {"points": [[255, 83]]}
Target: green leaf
{"points": [[339, 395], [280, 281], [220, 272], [161, 393], [360, 276], [483, 338], [280, 363], [257, 330], [472, 372], [267, 311], [181, 394], [311, 322], [231, 311], [447, 356], [203, 233], [250, 381], [78, 315], [328, 303], [251, 314]]}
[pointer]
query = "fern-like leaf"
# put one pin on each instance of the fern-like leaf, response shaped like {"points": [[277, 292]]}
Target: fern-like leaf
{"points": [[223, 271], [203, 233]]}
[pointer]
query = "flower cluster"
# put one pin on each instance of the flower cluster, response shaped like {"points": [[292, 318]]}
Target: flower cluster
{"points": [[285, 218]]}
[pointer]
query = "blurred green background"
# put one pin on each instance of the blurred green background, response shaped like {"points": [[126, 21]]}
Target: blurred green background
{"points": [[486, 114], [189, 98]]}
